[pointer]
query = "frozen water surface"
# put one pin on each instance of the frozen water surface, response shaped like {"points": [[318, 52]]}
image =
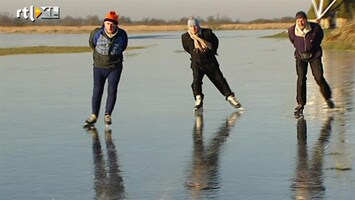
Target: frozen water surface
{"points": [[157, 147]]}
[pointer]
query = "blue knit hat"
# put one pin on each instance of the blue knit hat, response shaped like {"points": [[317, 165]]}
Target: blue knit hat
{"points": [[193, 22]]}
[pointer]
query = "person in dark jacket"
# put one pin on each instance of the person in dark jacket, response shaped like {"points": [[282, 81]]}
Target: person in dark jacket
{"points": [[307, 37], [108, 44], [202, 45]]}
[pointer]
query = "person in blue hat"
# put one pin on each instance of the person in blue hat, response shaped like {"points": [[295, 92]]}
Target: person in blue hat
{"points": [[202, 45]]}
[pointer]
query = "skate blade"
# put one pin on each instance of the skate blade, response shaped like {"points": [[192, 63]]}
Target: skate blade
{"points": [[298, 115], [198, 110], [107, 127], [240, 109], [89, 126]]}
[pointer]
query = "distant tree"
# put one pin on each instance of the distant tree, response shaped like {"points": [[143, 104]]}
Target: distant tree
{"points": [[5, 19], [182, 20], [92, 20], [218, 20], [152, 21], [125, 20]]}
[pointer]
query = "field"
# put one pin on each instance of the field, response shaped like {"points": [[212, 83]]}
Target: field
{"points": [[135, 28]]}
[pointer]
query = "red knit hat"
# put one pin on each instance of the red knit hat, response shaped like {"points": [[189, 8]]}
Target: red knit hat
{"points": [[112, 17]]}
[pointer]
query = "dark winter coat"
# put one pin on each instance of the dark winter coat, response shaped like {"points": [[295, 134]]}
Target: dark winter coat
{"points": [[311, 43], [108, 52], [197, 57]]}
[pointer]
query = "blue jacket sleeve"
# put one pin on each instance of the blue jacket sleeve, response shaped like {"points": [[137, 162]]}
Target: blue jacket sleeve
{"points": [[123, 39], [94, 35]]}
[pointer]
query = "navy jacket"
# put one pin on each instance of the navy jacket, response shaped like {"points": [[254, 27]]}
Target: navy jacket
{"points": [[108, 52], [310, 43]]}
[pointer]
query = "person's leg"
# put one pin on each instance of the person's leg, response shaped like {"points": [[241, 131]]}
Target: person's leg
{"points": [[317, 71], [99, 83], [301, 69], [218, 80], [113, 79], [197, 75]]}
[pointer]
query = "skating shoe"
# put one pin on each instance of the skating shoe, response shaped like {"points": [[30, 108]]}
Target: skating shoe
{"points": [[299, 108], [107, 119], [233, 101], [298, 113], [91, 120], [198, 102], [330, 103]]}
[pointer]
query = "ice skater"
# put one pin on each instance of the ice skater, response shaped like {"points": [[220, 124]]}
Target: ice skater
{"points": [[307, 37], [108, 44], [202, 45]]}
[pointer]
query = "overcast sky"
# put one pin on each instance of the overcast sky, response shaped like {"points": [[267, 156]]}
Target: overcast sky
{"points": [[244, 10]]}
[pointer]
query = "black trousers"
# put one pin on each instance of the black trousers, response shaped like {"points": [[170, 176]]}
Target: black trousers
{"points": [[317, 71], [213, 72]]}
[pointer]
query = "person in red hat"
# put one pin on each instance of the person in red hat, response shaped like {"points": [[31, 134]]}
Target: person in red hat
{"points": [[306, 38], [108, 43]]}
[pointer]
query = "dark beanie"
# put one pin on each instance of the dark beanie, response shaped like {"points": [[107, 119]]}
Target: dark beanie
{"points": [[301, 14]]}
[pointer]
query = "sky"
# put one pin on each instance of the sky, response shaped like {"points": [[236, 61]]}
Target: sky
{"points": [[243, 10]]}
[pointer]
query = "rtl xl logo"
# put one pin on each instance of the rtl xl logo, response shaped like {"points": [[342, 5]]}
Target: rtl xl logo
{"points": [[42, 12]]}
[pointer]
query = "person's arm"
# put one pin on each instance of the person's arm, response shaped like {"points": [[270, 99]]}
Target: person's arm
{"points": [[124, 39], [214, 43], [184, 43], [320, 35], [93, 37], [290, 34], [205, 44]]}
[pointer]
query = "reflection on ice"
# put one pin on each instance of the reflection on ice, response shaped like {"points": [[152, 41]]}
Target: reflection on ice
{"points": [[308, 183], [204, 174], [108, 182], [48, 95], [339, 69]]}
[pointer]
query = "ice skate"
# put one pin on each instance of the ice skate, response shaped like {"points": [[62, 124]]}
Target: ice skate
{"points": [[234, 102], [198, 103], [90, 122], [108, 120], [298, 113]]}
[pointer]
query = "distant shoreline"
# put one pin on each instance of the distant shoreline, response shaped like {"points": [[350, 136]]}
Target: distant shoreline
{"points": [[133, 28], [340, 38]]}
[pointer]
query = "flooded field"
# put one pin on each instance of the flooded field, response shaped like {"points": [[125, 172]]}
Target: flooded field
{"points": [[157, 147]]}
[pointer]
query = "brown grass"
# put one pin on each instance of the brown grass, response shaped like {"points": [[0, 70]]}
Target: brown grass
{"points": [[135, 28], [341, 38], [52, 49]]}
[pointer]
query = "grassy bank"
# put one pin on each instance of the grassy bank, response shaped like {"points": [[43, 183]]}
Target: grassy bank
{"points": [[340, 38], [50, 50]]}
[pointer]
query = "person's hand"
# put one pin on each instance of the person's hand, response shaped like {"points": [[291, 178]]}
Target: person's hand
{"points": [[194, 36]]}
